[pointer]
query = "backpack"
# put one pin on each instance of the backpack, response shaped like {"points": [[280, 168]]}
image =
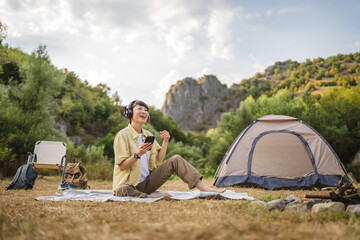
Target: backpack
{"points": [[24, 178], [75, 175]]}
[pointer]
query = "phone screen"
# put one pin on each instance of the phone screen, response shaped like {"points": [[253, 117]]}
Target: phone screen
{"points": [[150, 139]]}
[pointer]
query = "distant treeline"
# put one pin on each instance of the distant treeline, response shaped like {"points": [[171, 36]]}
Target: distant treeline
{"points": [[40, 102]]}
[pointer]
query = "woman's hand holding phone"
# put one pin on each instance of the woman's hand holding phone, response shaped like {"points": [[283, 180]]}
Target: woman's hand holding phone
{"points": [[144, 147]]}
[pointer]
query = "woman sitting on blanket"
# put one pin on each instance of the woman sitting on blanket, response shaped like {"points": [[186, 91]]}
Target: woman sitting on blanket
{"points": [[135, 171]]}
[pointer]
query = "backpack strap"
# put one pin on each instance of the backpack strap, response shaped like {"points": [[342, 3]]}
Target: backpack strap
{"points": [[25, 176]]}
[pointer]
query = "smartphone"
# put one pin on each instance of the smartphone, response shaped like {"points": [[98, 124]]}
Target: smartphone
{"points": [[149, 139]]}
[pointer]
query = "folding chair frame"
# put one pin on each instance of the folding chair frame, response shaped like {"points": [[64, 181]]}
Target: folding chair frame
{"points": [[32, 161]]}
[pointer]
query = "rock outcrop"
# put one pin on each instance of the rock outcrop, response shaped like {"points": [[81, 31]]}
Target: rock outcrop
{"points": [[197, 105]]}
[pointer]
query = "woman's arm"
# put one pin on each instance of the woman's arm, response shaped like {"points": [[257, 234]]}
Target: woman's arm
{"points": [[165, 136], [127, 163]]}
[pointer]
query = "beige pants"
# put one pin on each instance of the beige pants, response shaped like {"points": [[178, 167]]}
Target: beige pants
{"points": [[175, 164]]}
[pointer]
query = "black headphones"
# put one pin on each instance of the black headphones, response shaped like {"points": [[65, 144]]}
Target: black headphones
{"points": [[128, 112]]}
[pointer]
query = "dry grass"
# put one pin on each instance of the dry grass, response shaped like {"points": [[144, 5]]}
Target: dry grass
{"points": [[21, 217]]}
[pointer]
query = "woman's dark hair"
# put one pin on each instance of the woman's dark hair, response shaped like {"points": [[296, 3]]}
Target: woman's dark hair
{"points": [[138, 102], [128, 112]]}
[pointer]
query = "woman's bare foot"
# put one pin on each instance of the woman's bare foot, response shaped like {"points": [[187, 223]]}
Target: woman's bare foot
{"points": [[203, 188], [157, 195], [209, 189]]}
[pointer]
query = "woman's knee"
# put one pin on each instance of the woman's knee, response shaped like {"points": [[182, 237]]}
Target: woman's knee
{"points": [[177, 158]]}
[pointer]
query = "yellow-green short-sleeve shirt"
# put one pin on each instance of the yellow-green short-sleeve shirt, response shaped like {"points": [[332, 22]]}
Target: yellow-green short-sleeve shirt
{"points": [[126, 145]]}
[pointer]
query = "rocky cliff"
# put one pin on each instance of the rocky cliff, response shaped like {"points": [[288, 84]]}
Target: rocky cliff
{"points": [[197, 105]]}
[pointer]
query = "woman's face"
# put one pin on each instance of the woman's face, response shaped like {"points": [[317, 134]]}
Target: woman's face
{"points": [[140, 114]]}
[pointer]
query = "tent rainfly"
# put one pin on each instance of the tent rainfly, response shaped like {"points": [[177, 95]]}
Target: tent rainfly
{"points": [[276, 152]]}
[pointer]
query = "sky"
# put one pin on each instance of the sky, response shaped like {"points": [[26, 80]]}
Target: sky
{"points": [[140, 48]]}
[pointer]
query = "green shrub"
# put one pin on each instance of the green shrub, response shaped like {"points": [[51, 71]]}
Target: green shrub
{"points": [[310, 87], [354, 168], [7, 161]]}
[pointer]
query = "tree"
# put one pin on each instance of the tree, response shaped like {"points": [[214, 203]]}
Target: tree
{"points": [[116, 99], [85, 108], [340, 124], [3, 31], [10, 74], [103, 89], [26, 111]]}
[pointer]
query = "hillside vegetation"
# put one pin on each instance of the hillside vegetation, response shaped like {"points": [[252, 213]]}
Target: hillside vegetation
{"points": [[38, 101], [314, 75]]}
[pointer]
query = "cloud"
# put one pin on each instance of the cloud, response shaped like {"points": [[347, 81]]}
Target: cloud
{"points": [[116, 48], [103, 20], [269, 12], [14, 4], [101, 76], [204, 71], [356, 44], [231, 78], [179, 40], [252, 15], [219, 32], [292, 10], [166, 14], [258, 66], [289, 10], [176, 23], [39, 18], [91, 56], [120, 14], [16, 34]]}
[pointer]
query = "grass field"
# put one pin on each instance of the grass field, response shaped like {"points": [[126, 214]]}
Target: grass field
{"points": [[22, 217]]}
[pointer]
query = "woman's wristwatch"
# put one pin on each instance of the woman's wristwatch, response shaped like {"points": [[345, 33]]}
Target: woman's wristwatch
{"points": [[136, 156]]}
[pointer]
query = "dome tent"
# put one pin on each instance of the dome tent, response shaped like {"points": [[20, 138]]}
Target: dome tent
{"points": [[276, 152]]}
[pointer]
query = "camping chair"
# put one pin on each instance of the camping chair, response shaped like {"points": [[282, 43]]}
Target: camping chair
{"points": [[50, 155]]}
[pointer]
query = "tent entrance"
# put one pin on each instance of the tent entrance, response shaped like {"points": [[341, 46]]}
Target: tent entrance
{"points": [[281, 154]]}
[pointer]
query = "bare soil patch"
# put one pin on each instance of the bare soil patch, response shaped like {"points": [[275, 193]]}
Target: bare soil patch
{"points": [[22, 217]]}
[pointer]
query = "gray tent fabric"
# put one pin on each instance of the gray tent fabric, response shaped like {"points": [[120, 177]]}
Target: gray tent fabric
{"points": [[107, 195], [278, 151]]}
